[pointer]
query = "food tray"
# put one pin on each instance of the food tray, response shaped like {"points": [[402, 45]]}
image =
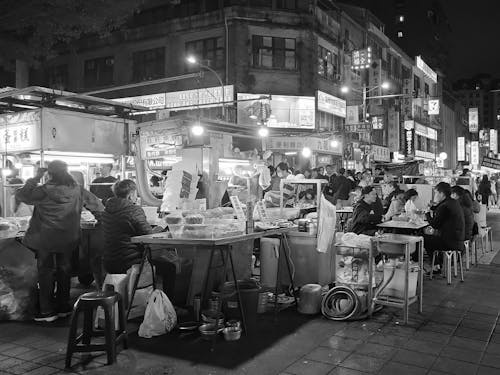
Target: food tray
{"points": [[212, 230]]}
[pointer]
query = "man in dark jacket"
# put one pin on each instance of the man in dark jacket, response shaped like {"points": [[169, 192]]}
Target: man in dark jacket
{"points": [[54, 233], [448, 222], [364, 218], [104, 191], [341, 187], [123, 219]]}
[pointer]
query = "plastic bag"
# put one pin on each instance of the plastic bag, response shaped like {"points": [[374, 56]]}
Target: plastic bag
{"points": [[160, 316]]}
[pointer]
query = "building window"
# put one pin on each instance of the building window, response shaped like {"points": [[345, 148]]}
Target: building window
{"points": [[426, 89], [416, 86], [57, 77], [272, 52], [148, 64], [98, 72], [401, 18], [400, 34], [327, 63], [286, 4], [211, 50]]}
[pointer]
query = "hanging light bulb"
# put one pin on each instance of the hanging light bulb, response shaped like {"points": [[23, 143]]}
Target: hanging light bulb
{"points": [[306, 152], [197, 130]]}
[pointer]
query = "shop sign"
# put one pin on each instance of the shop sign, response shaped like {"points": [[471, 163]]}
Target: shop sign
{"points": [[393, 130], [153, 101], [426, 69], [183, 100], [425, 131], [406, 100], [352, 116], [156, 141], [491, 163], [157, 154], [20, 131], [474, 153], [461, 149], [377, 122], [358, 128], [380, 153], [321, 145], [473, 120], [331, 104], [425, 154], [160, 164], [494, 140], [324, 160], [361, 59], [409, 142], [295, 112], [433, 107]]}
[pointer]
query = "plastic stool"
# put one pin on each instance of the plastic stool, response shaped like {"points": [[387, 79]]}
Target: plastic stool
{"points": [[88, 303], [488, 235], [467, 246], [448, 257]]}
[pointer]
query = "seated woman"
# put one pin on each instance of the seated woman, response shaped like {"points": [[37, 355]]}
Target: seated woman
{"points": [[397, 205], [123, 219], [410, 207], [364, 219]]}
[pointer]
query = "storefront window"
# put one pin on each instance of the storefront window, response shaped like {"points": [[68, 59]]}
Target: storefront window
{"points": [[148, 64], [272, 52], [57, 77]]}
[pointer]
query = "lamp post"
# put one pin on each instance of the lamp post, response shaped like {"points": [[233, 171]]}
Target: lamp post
{"points": [[192, 60]]}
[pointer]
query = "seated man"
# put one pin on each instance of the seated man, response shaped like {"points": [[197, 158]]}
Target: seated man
{"points": [[447, 223], [123, 219], [364, 218]]}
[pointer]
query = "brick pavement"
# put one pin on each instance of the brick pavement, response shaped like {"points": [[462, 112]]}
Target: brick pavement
{"points": [[458, 333]]}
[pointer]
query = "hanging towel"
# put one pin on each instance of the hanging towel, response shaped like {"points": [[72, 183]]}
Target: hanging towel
{"points": [[326, 225]]}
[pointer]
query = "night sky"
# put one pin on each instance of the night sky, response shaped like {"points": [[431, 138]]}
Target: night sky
{"points": [[475, 37]]}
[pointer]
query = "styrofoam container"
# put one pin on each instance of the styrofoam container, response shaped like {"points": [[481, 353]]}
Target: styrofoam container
{"points": [[396, 287]]}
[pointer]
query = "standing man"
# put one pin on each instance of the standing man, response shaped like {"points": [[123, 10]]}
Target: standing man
{"points": [[341, 187], [104, 192], [54, 233]]}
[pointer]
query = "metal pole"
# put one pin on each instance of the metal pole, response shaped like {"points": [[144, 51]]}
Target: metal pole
{"points": [[221, 86]]}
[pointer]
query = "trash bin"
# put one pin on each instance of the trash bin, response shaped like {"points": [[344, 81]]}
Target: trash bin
{"points": [[249, 292]]}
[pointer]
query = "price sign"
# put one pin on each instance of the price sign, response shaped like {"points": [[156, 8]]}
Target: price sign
{"points": [[238, 209], [261, 209]]}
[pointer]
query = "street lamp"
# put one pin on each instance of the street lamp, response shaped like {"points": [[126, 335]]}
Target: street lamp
{"points": [[192, 60], [364, 91], [443, 156], [263, 132]]}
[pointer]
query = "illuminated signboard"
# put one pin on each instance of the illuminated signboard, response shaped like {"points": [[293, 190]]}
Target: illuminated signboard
{"points": [[473, 120], [361, 59], [377, 122], [474, 153], [296, 112], [461, 149], [433, 107], [426, 69], [331, 104], [352, 114], [494, 140], [409, 142]]}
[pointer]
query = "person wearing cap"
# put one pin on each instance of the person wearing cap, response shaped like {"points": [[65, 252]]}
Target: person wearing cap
{"points": [[54, 233], [104, 192], [364, 218]]}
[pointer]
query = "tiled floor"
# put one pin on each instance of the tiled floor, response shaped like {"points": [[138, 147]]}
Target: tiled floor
{"points": [[458, 333]]}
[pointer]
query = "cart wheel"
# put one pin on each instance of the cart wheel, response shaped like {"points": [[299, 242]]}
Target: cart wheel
{"points": [[86, 279]]}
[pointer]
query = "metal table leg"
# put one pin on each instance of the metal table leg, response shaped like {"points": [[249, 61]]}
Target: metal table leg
{"points": [[420, 276], [240, 306], [407, 275]]}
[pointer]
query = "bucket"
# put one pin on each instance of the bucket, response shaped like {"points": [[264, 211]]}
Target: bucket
{"points": [[249, 292]]}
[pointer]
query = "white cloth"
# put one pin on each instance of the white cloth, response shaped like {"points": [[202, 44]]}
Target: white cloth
{"points": [[326, 225], [410, 207]]}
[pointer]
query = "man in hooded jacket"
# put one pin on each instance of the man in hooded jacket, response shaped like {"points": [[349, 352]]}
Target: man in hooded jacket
{"points": [[54, 233]]}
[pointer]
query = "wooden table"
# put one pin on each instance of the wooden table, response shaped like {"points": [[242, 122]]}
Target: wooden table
{"points": [[221, 244], [403, 241]]}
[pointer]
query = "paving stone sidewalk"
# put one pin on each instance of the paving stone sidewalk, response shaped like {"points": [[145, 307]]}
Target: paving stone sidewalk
{"points": [[458, 333]]}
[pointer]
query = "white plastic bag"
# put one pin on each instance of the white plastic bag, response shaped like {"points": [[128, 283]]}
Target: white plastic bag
{"points": [[160, 316]]}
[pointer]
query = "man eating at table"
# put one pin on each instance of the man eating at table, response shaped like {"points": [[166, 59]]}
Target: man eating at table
{"points": [[447, 223]]}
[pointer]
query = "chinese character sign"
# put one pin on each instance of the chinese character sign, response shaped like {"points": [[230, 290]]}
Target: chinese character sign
{"points": [[473, 120], [461, 149], [409, 142], [377, 123], [352, 116], [434, 107], [361, 59], [494, 140], [474, 153]]}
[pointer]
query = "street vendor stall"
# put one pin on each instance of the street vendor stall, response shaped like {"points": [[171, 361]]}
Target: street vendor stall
{"points": [[39, 125]]}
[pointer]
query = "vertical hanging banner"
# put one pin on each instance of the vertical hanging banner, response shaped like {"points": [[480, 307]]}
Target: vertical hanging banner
{"points": [[461, 149], [352, 116], [474, 153], [473, 120], [393, 129], [494, 140]]}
